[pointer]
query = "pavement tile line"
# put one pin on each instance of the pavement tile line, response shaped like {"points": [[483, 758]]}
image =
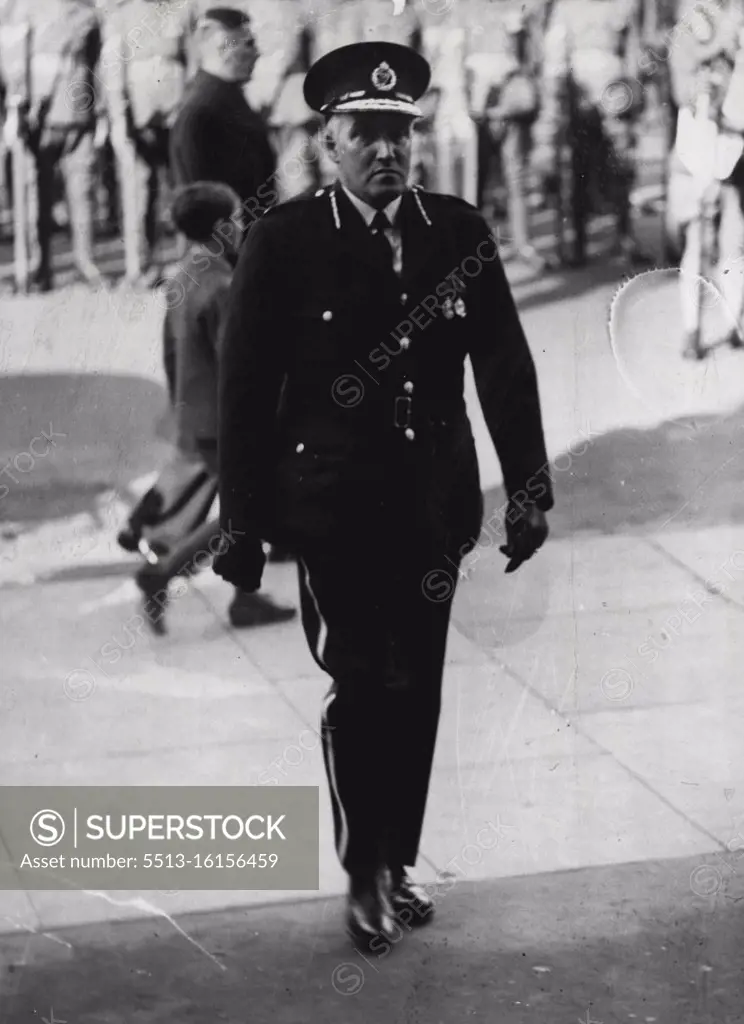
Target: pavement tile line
{"points": [[671, 557], [576, 726]]}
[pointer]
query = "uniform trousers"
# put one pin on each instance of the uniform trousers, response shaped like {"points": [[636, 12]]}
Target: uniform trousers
{"points": [[72, 150], [377, 624], [730, 268], [140, 185]]}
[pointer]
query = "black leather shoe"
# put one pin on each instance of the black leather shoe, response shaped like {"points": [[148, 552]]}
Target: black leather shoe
{"points": [[128, 539], [248, 610], [413, 907], [370, 920]]}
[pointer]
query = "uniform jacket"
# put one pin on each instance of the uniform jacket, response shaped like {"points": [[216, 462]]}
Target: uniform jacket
{"points": [[318, 388], [217, 137], [192, 332]]}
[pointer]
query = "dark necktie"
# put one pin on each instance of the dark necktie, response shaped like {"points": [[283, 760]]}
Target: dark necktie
{"points": [[380, 224]]}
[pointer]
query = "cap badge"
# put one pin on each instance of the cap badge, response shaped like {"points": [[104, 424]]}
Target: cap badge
{"points": [[460, 308], [384, 78]]}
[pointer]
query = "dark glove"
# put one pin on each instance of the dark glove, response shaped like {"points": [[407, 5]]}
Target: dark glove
{"points": [[525, 533], [240, 559]]}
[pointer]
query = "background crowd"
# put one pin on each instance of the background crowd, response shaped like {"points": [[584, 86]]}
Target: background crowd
{"points": [[519, 112]]}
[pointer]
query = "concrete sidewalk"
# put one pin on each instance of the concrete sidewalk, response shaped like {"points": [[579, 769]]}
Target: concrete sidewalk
{"points": [[589, 751], [614, 783], [603, 945]]}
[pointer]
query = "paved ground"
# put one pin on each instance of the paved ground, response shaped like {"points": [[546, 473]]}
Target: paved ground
{"points": [[593, 704]]}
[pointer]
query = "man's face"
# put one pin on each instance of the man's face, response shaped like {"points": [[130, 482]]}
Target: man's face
{"points": [[237, 52], [373, 155]]}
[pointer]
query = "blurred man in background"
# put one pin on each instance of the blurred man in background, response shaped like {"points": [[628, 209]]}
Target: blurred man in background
{"points": [[216, 135], [502, 66], [591, 101], [707, 69], [54, 75], [144, 65]]}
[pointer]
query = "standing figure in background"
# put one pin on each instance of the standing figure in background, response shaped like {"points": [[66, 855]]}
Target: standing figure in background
{"points": [[590, 104], [144, 66], [502, 64], [657, 39], [216, 135], [60, 130], [288, 42], [707, 63]]}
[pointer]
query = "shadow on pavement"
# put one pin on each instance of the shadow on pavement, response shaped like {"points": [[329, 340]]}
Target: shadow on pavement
{"points": [[67, 438], [571, 284], [687, 473], [596, 945]]}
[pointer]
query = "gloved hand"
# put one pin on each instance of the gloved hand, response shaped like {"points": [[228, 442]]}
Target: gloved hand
{"points": [[524, 535], [240, 560]]}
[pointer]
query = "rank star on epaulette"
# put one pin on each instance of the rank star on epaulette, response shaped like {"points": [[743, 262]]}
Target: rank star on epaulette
{"points": [[447, 309]]}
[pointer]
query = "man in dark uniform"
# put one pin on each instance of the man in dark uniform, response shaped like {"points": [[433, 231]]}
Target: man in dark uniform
{"points": [[216, 136], [344, 434]]}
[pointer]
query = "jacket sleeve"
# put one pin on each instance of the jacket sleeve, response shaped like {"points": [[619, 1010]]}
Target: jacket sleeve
{"points": [[506, 381], [251, 374]]}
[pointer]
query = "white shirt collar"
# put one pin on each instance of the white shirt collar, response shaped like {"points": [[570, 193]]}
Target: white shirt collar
{"points": [[368, 212]]}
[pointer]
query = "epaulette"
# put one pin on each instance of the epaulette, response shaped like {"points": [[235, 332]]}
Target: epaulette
{"points": [[417, 190], [286, 204], [443, 198]]}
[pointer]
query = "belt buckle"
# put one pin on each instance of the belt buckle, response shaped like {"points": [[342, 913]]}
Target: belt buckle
{"points": [[402, 412]]}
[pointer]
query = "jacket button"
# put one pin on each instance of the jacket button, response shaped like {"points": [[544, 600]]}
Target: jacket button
{"points": [[328, 315], [408, 386], [410, 434], [404, 343], [300, 448], [404, 298]]}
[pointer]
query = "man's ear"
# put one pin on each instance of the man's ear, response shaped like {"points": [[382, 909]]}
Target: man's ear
{"points": [[330, 143]]}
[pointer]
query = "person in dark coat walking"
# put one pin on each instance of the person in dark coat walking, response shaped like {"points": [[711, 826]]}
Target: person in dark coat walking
{"points": [[344, 434], [216, 136], [170, 525]]}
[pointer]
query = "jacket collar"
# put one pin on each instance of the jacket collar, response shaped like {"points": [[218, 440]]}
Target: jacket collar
{"points": [[368, 212], [356, 241]]}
